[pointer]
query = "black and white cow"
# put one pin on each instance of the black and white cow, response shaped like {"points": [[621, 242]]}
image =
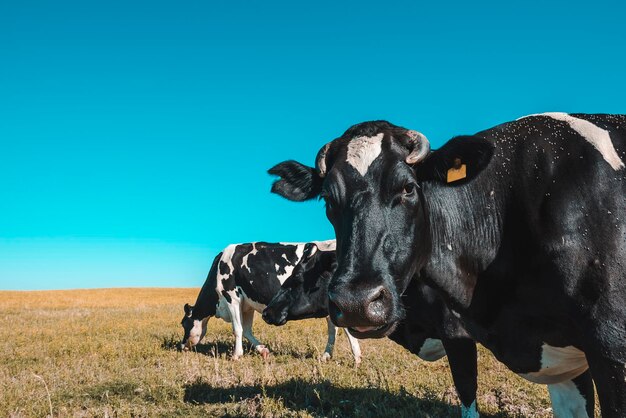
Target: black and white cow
{"points": [[244, 278], [430, 329], [521, 227]]}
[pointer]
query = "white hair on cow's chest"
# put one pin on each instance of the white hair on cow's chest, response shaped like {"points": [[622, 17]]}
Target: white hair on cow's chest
{"points": [[362, 151], [596, 136]]}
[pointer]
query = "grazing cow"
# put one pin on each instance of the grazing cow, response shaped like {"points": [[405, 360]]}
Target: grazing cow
{"points": [[521, 226], [244, 278], [429, 330]]}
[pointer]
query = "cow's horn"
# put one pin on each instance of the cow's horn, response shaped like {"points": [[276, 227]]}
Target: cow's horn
{"points": [[320, 161], [419, 147]]}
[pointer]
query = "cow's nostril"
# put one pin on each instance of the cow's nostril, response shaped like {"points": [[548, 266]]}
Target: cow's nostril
{"points": [[379, 295], [375, 308]]}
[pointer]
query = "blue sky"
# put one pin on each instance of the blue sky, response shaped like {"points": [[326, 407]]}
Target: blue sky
{"points": [[135, 136]]}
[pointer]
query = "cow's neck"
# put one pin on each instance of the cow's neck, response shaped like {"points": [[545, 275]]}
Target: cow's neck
{"points": [[465, 224], [202, 307]]}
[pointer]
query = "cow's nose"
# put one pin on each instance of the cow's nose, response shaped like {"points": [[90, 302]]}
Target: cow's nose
{"points": [[364, 307]]}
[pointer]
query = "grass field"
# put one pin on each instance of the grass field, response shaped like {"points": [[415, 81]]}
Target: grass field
{"points": [[111, 352]]}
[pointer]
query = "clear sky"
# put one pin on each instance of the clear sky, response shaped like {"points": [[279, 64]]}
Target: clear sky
{"points": [[135, 135]]}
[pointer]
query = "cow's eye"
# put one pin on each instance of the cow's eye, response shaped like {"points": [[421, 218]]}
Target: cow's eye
{"points": [[409, 189]]}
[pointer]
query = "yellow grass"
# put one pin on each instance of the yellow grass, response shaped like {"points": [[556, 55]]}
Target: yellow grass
{"points": [[111, 352]]}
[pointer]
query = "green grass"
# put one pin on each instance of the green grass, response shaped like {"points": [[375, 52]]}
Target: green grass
{"points": [[111, 352]]}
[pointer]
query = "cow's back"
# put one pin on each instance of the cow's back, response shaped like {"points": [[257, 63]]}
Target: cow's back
{"points": [[258, 269]]}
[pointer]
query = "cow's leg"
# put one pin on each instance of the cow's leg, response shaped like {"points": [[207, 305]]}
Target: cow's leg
{"points": [[248, 318], [605, 348], [235, 314], [462, 357], [354, 346], [330, 344], [609, 375], [573, 398]]}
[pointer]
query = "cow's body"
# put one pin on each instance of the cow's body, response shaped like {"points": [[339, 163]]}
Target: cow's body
{"points": [[243, 279], [528, 246]]}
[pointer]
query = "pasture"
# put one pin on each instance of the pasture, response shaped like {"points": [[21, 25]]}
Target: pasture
{"points": [[111, 352]]}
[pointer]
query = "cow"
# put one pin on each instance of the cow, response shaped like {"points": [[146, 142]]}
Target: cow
{"points": [[244, 278], [430, 330], [521, 227]]}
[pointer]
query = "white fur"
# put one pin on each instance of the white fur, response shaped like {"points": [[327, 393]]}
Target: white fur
{"points": [[567, 402], [431, 350], [558, 364], [362, 151], [227, 257], [330, 344], [354, 346], [328, 245], [244, 261], [595, 135], [470, 411], [197, 332], [289, 269]]}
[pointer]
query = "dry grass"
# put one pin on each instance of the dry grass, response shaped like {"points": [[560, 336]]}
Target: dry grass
{"points": [[111, 352]]}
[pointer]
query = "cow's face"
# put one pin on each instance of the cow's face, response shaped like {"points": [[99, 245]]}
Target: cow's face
{"points": [[370, 179], [304, 294], [194, 329]]}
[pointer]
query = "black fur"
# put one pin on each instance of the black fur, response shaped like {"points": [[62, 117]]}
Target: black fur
{"points": [[298, 182]]}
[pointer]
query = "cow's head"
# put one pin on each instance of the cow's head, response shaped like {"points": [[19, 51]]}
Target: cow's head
{"points": [[194, 329], [370, 179], [305, 293]]}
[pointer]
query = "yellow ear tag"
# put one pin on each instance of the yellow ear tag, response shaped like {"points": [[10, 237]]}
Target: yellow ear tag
{"points": [[458, 172]]}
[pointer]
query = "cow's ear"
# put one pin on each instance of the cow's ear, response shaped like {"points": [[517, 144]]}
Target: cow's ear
{"points": [[458, 161], [297, 181], [188, 309]]}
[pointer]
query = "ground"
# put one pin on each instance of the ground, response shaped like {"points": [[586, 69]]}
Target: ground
{"points": [[112, 352]]}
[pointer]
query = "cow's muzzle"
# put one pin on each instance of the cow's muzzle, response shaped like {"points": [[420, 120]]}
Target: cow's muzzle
{"points": [[365, 309]]}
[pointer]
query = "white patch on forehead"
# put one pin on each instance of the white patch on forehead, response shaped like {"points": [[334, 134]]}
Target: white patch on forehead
{"points": [[596, 136], [328, 245], [558, 364], [431, 350], [363, 150], [197, 326], [197, 332], [567, 400]]}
